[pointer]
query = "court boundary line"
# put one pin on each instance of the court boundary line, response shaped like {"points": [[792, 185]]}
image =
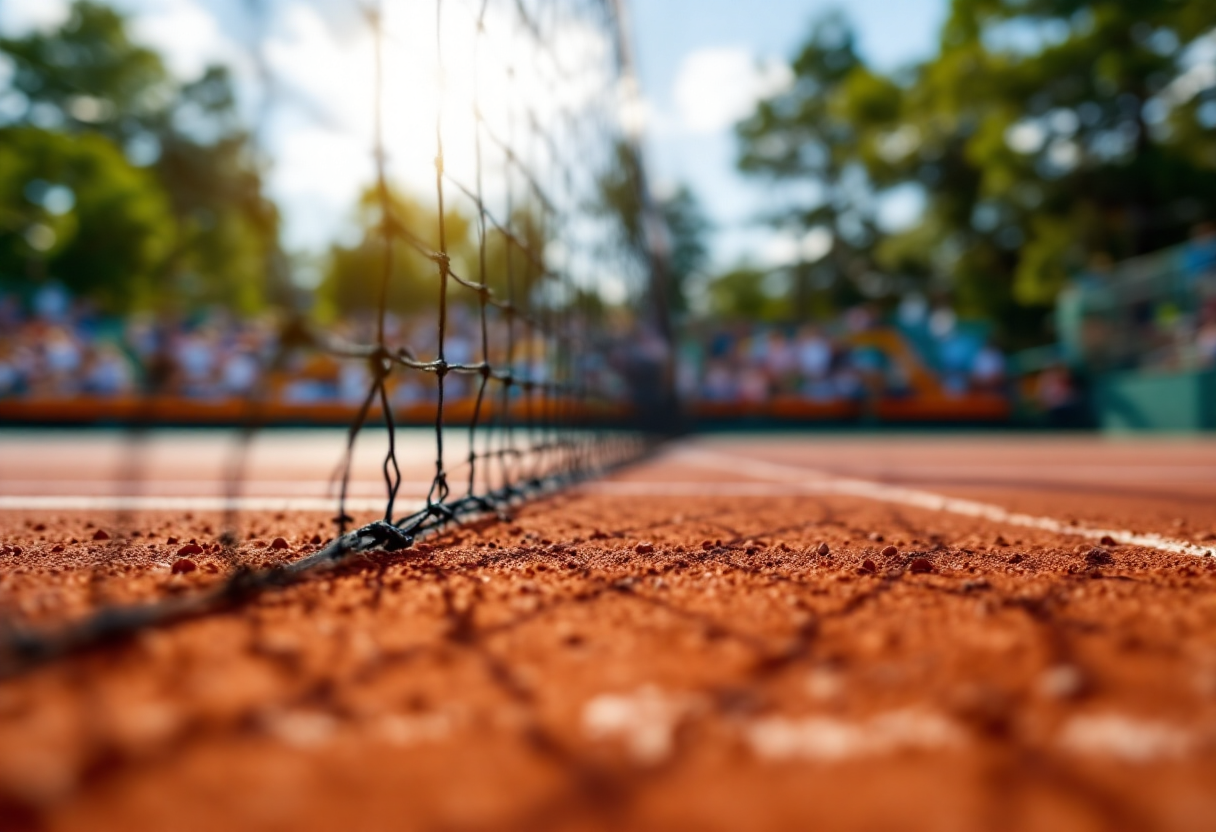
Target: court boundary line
{"points": [[826, 483], [80, 502], [776, 479]]}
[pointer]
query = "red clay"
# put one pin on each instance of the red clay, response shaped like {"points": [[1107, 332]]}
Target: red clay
{"points": [[524, 675], [635, 662]]}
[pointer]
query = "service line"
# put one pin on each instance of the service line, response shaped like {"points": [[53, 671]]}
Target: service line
{"points": [[69, 502], [810, 480], [777, 479]]}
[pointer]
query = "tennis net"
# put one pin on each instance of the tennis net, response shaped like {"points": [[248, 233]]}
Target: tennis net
{"points": [[516, 299]]}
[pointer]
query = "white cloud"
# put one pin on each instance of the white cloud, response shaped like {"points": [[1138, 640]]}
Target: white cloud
{"points": [[717, 87], [186, 34], [634, 110], [785, 249], [779, 250], [20, 16], [1025, 137], [316, 179], [322, 134], [816, 244], [900, 208]]}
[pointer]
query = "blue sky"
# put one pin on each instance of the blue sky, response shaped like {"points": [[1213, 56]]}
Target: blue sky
{"points": [[689, 137], [702, 64]]}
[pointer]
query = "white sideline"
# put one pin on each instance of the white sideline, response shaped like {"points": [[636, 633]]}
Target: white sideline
{"points": [[777, 479], [824, 483], [195, 488], [120, 503]]}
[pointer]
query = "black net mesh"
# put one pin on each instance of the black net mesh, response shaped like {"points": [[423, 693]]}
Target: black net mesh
{"points": [[535, 340], [526, 110]]}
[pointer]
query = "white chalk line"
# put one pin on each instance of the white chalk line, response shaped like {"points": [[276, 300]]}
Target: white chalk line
{"points": [[201, 488], [789, 479], [644, 488], [193, 503], [809, 480], [284, 502]]}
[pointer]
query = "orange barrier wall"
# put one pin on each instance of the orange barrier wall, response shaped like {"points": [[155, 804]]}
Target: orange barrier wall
{"points": [[174, 410]]}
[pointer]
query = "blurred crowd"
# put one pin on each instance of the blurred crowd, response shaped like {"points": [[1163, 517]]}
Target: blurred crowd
{"points": [[54, 346], [57, 346], [918, 351], [1155, 312]]}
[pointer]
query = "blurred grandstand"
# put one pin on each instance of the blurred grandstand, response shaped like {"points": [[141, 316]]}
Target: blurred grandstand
{"points": [[1153, 312], [918, 365], [1136, 344], [62, 361]]}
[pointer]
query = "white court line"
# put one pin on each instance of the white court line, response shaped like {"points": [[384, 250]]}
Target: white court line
{"points": [[645, 488], [200, 488], [316, 484], [789, 479], [1000, 472], [821, 482], [197, 503]]}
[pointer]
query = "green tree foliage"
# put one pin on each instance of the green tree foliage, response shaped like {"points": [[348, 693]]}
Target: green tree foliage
{"points": [[87, 81], [621, 199], [804, 134], [629, 234], [355, 274], [227, 249], [743, 292], [74, 207], [88, 75], [1043, 132], [688, 251]]}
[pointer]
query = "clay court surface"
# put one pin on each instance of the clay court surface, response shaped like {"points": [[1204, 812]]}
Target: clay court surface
{"points": [[743, 632]]}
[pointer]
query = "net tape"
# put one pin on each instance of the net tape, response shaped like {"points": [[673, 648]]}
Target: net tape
{"points": [[545, 385]]}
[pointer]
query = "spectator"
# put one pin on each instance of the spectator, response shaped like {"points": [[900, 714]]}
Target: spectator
{"points": [[719, 382], [781, 362], [988, 370], [10, 374], [1205, 337], [753, 387], [1057, 395], [814, 354], [63, 357], [51, 302], [240, 370], [196, 359], [107, 372], [913, 310], [1199, 255]]}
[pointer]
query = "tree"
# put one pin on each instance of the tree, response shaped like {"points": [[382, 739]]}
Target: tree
{"points": [[1044, 136], [630, 234], [742, 292], [354, 274], [88, 75], [88, 79], [803, 135], [227, 244], [1043, 132], [688, 252], [75, 208]]}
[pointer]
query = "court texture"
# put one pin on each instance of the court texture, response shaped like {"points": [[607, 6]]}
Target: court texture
{"points": [[777, 631]]}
